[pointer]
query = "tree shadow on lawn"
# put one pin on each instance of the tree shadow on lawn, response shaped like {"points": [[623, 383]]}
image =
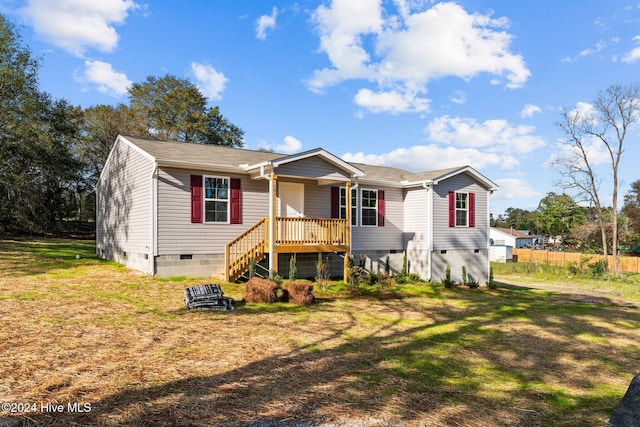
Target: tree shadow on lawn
{"points": [[29, 257], [570, 295], [507, 360]]}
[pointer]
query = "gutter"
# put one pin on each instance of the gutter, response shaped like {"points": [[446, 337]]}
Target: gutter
{"points": [[429, 187]]}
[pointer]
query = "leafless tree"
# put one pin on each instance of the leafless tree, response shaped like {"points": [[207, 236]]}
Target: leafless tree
{"points": [[604, 123]]}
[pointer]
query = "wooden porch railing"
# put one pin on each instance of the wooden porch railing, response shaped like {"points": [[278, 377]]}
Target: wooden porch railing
{"points": [[291, 235], [310, 231]]}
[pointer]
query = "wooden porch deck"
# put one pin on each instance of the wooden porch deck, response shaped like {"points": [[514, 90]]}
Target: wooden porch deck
{"points": [[291, 235]]}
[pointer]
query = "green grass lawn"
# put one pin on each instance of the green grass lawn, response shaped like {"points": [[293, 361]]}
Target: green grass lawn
{"points": [[90, 331]]}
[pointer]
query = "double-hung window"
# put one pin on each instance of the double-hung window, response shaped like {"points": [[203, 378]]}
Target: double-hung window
{"points": [[462, 209], [216, 199], [354, 205], [369, 207]]}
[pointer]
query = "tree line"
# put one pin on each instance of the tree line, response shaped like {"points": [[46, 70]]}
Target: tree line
{"points": [[559, 216], [52, 152]]}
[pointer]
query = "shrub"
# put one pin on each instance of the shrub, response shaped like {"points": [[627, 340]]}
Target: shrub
{"points": [[447, 282], [299, 293], [276, 279], [323, 272], [384, 280], [260, 290], [293, 269], [372, 278], [491, 284], [252, 267], [598, 269], [473, 283], [356, 275]]}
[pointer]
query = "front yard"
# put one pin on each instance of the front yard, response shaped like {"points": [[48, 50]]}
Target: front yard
{"points": [[113, 347]]}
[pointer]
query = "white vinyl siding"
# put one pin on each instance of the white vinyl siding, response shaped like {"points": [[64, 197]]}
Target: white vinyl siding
{"points": [[312, 167], [389, 237], [123, 201], [176, 233], [448, 238], [416, 230]]}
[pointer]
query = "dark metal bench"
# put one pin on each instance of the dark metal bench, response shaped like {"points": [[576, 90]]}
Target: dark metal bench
{"points": [[208, 297]]}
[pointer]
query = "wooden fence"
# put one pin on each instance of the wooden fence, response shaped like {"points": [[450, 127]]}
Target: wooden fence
{"points": [[629, 264]]}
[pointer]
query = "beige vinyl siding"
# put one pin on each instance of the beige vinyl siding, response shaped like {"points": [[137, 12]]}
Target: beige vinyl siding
{"points": [[389, 237], [317, 200], [124, 207], [416, 231], [445, 237], [176, 233], [312, 167]]}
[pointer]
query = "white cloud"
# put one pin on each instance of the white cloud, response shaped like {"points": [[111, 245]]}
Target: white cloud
{"points": [[266, 22], [393, 102], [496, 136], [431, 157], [459, 97], [529, 110], [77, 25], [210, 82], [634, 54], [514, 188], [289, 145], [402, 53], [107, 80]]}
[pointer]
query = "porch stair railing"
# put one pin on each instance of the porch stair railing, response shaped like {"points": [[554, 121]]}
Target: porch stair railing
{"points": [[252, 243], [290, 235]]}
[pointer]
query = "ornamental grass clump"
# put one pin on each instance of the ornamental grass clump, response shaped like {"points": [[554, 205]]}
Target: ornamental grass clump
{"points": [[260, 290]]}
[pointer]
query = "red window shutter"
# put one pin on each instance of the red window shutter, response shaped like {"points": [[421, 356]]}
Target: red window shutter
{"points": [[235, 200], [472, 210], [381, 208], [452, 209], [196, 199], [335, 202]]}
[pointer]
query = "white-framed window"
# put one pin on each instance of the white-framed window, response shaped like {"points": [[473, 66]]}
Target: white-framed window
{"points": [[216, 199], [354, 205], [368, 207], [462, 209]]}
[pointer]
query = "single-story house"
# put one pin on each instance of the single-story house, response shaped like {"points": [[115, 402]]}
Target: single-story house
{"points": [[172, 208], [511, 237]]}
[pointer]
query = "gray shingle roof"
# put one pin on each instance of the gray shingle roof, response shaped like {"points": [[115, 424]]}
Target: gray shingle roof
{"points": [[214, 156]]}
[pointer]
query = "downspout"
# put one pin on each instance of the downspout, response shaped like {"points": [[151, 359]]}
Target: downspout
{"points": [[488, 234], [429, 188], [153, 241]]}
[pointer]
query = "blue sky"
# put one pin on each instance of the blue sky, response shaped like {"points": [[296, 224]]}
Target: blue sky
{"points": [[419, 84]]}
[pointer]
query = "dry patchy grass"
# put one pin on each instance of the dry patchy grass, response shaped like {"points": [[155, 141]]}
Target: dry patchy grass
{"points": [[87, 331]]}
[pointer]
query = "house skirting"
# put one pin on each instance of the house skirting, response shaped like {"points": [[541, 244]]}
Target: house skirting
{"points": [[189, 265], [475, 261], [133, 260]]}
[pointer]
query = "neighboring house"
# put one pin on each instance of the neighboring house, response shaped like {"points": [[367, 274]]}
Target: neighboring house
{"points": [[510, 237], [170, 208]]}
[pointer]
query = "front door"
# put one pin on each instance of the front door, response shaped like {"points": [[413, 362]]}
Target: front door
{"points": [[291, 199]]}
